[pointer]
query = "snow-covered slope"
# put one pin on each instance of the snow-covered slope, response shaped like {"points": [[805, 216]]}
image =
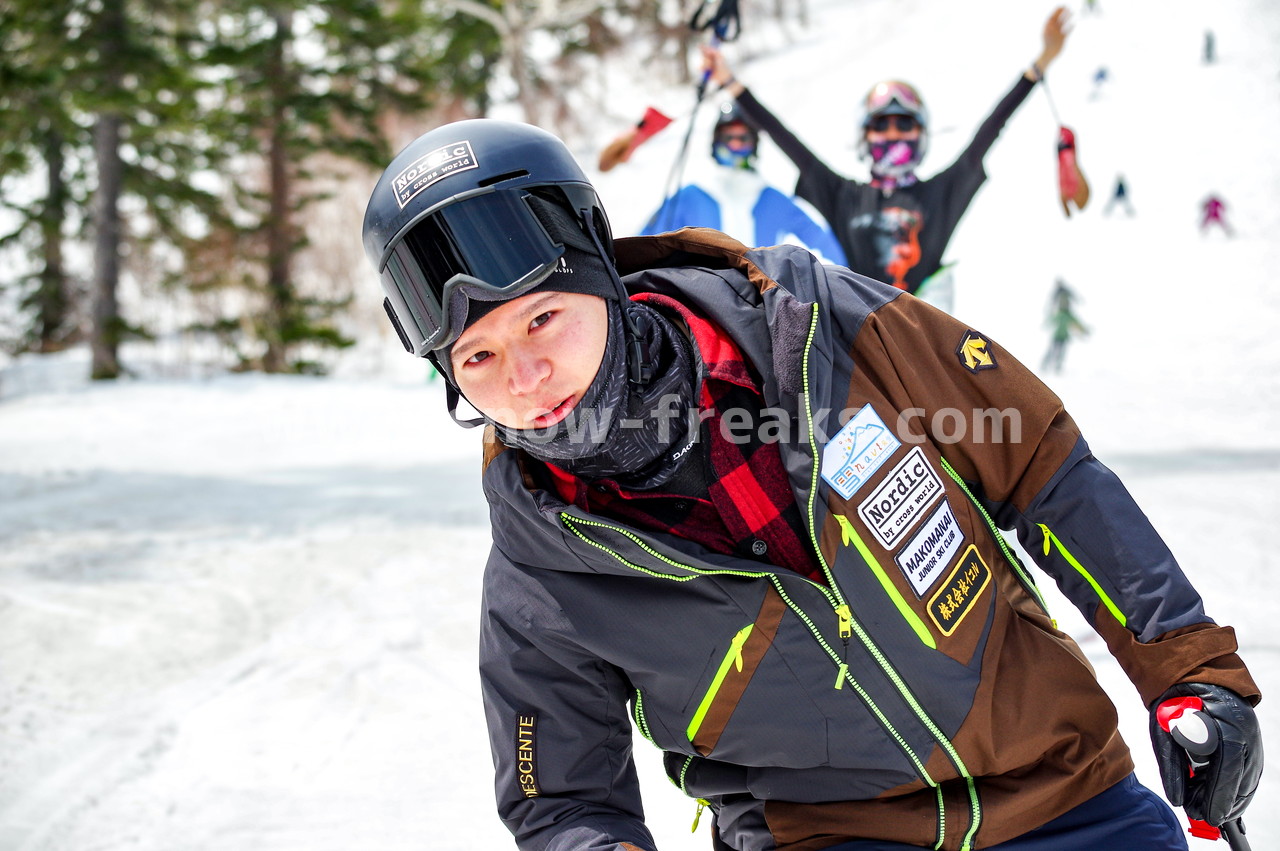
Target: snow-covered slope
{"points": [[240, 612]]}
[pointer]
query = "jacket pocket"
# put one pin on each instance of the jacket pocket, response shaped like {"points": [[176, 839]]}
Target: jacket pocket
{"points": [[746, 650]]}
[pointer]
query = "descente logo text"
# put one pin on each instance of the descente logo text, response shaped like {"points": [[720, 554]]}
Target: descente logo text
{"points": [[526, 758]]}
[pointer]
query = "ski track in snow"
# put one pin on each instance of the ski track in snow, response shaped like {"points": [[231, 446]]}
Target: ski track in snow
{"points": [[239, 613]]}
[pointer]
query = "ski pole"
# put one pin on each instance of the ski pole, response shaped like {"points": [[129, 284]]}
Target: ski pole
{"points": [[1234, 831], [725, 25]]}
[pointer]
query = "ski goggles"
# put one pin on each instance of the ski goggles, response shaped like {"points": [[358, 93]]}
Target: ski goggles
{"points": [[884, 94], [739, 140], [901, 123], [497, 244]]}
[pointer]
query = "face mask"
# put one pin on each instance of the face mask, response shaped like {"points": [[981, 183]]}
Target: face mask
{"points": [[631, 433], [894, 159], [743, 159]]}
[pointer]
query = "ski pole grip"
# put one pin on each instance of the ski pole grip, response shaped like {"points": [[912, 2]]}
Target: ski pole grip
{"points": [[1184, 719], [706, 73]]}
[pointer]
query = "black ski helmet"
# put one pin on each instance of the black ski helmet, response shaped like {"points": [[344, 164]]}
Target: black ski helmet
{"points": [[482, 203]]}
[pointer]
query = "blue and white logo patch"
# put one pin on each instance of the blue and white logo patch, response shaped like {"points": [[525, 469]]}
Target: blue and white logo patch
{"points": [[857, 451]]}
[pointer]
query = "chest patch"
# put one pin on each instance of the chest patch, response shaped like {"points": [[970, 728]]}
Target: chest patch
{"points": [[857, 451], [956, 597], [898, 501], [928, 552]]}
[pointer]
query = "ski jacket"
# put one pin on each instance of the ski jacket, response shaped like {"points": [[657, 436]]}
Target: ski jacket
{"points": [[921, 693], [739, 202], [899, 237]]}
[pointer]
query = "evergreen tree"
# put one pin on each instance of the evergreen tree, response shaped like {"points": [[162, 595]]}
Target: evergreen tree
{"points": [[305, 85], [103, 96], [36, 134]]}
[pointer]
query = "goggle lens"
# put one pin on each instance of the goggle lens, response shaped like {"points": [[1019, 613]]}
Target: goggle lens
{"points": [[902, 123], [493, 241]]}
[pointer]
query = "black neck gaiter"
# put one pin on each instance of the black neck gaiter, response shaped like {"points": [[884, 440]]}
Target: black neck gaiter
{"points": [[635, 435]]}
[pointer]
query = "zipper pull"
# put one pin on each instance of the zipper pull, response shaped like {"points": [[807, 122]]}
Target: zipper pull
{"points": [[844, 669], [736, 647], [1047, 536], [697, 816], [847, 533], [846, 620]]}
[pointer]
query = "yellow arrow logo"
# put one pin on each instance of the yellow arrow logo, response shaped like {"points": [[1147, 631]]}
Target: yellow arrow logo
{"points": [[973, 352]]}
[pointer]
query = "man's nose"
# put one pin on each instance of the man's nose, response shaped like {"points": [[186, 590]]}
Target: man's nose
{"points": [[528, 370]]}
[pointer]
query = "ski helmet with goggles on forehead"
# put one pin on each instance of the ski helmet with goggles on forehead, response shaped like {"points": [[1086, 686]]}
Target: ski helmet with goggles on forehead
{"points": [[890, 98], [478, 211]]}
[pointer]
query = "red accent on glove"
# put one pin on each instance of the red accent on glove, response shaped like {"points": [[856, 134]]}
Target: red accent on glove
{"points": [[648, 127], [1203, 830], [624, 144], [1172, 709]]}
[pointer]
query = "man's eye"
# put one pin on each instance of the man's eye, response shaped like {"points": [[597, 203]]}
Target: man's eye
{"points": [[540, 319], [478, 356]]}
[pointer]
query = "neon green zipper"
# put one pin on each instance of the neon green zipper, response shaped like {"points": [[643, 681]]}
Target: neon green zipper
{"points": [[732, 658], [876, 654], [642, 723], [1049, 537], [850, 536]]}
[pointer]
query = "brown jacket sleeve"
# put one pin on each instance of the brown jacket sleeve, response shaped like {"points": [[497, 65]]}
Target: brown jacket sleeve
{"points": [[1008, 436]]}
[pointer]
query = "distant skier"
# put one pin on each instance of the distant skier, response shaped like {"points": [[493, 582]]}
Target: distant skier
{"points": [[1119, 195], [1063, 323], [733, 198], [895, 227], [1210, 48], [1214, 210], [1100, 78]]}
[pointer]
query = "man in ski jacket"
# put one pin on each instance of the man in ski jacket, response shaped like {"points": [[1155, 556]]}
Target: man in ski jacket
{"points": [[730, 195], [749, 506], [896, 227]]}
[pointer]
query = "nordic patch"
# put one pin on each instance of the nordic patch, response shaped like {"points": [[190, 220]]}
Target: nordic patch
{"points": [[431, 167], [526, 755]]}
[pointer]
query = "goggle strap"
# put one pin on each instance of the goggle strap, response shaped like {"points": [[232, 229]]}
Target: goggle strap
{"points": [[561, 225], [395, 322], [452, 397]]}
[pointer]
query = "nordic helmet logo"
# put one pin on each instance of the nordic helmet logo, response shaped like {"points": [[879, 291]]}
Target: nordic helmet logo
{"points": [[431, 167]]}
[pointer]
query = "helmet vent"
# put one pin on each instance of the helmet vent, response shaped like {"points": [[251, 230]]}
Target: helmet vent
{"points": [[498, 178]]}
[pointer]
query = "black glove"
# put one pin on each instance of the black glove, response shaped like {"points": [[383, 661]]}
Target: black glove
{"points": [[1210, 769]]}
